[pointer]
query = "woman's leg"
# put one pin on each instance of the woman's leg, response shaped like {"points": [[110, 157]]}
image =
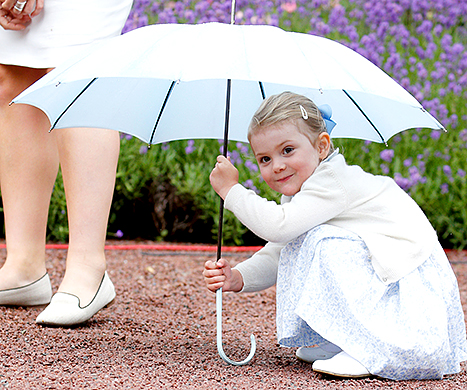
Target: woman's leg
{"points": [[28, 168], [88, 159]]}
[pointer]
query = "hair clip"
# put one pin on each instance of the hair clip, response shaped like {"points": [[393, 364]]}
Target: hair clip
{"points": [[304, 113]]}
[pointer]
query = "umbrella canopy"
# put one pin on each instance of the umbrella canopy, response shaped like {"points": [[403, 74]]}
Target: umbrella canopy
{"points": [[167, 82]]}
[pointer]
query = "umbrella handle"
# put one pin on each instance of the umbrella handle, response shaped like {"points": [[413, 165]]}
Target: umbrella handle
{"points": [[220, 349], [219, 335]]}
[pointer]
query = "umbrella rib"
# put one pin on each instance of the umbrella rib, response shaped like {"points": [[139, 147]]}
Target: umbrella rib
{"points": [[169, 92], [366, 117], [261, 87], [73, 102]]}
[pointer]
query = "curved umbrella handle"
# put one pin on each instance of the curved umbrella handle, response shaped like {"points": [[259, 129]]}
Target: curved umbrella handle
{"points": [[219, 335]]}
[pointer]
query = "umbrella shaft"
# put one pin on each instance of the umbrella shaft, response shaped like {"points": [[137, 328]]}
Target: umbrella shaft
{"points": [[227, 117], [224, 152], [219, 230]]}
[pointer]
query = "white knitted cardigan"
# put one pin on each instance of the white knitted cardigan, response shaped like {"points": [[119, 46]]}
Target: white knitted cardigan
{"points": [[394, 228]]}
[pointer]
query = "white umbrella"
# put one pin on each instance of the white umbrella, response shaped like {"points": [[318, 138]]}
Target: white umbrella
{"points": [[123, 84], [178, 81]]}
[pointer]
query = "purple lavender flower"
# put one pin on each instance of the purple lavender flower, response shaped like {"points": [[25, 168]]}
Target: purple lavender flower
{"points": [[387, 155], [251, 166], [119, 234], [191, 147], [401, 181], [447, 170], [250, 185], [415, 176], [384, 169], [243, 148], [124, 136], [235, 158], [435, 134]]}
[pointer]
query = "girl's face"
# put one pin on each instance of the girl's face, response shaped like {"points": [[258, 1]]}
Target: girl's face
{"points": [[286, 157]]}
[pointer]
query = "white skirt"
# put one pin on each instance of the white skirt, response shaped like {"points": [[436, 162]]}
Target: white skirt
{"points": [[328, 290], [61, 30]]}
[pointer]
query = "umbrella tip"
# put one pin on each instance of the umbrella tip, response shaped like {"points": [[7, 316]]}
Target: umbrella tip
{"points": [[232, 13]]}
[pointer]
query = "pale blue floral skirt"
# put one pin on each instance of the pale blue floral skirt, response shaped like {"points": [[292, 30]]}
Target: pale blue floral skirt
{"points": [[328, 290]]}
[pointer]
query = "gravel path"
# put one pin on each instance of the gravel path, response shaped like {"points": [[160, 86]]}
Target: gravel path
{"points": [[161, 334]]}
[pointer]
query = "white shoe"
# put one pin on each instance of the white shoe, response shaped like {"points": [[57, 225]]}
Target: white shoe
{"points": [[65, 309], [342, 365], [321, 352], [33, 294]]}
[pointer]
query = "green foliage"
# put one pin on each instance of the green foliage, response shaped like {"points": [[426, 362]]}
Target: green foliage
{"points": [[185, 167], [58, 224]]}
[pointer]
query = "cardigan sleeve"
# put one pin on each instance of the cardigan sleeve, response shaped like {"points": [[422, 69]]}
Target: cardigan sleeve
{"points": [[321, 198], [259, 272]]}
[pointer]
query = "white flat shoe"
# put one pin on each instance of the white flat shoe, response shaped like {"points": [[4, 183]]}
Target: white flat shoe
{"points": [[33, 294], [321, 352], [65, 309], [342, 365]]}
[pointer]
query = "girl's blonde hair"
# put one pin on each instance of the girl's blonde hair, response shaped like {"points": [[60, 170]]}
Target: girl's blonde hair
{"points": [[289, 106]]}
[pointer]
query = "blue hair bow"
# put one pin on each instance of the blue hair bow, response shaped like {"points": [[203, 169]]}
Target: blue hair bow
{"points": [[326, 112]]}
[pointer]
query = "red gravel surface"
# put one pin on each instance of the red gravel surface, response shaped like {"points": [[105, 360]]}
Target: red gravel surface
{"points": [[161, 334]]}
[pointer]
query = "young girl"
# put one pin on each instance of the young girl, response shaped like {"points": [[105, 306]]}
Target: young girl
{"points": [[359, 271]]}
